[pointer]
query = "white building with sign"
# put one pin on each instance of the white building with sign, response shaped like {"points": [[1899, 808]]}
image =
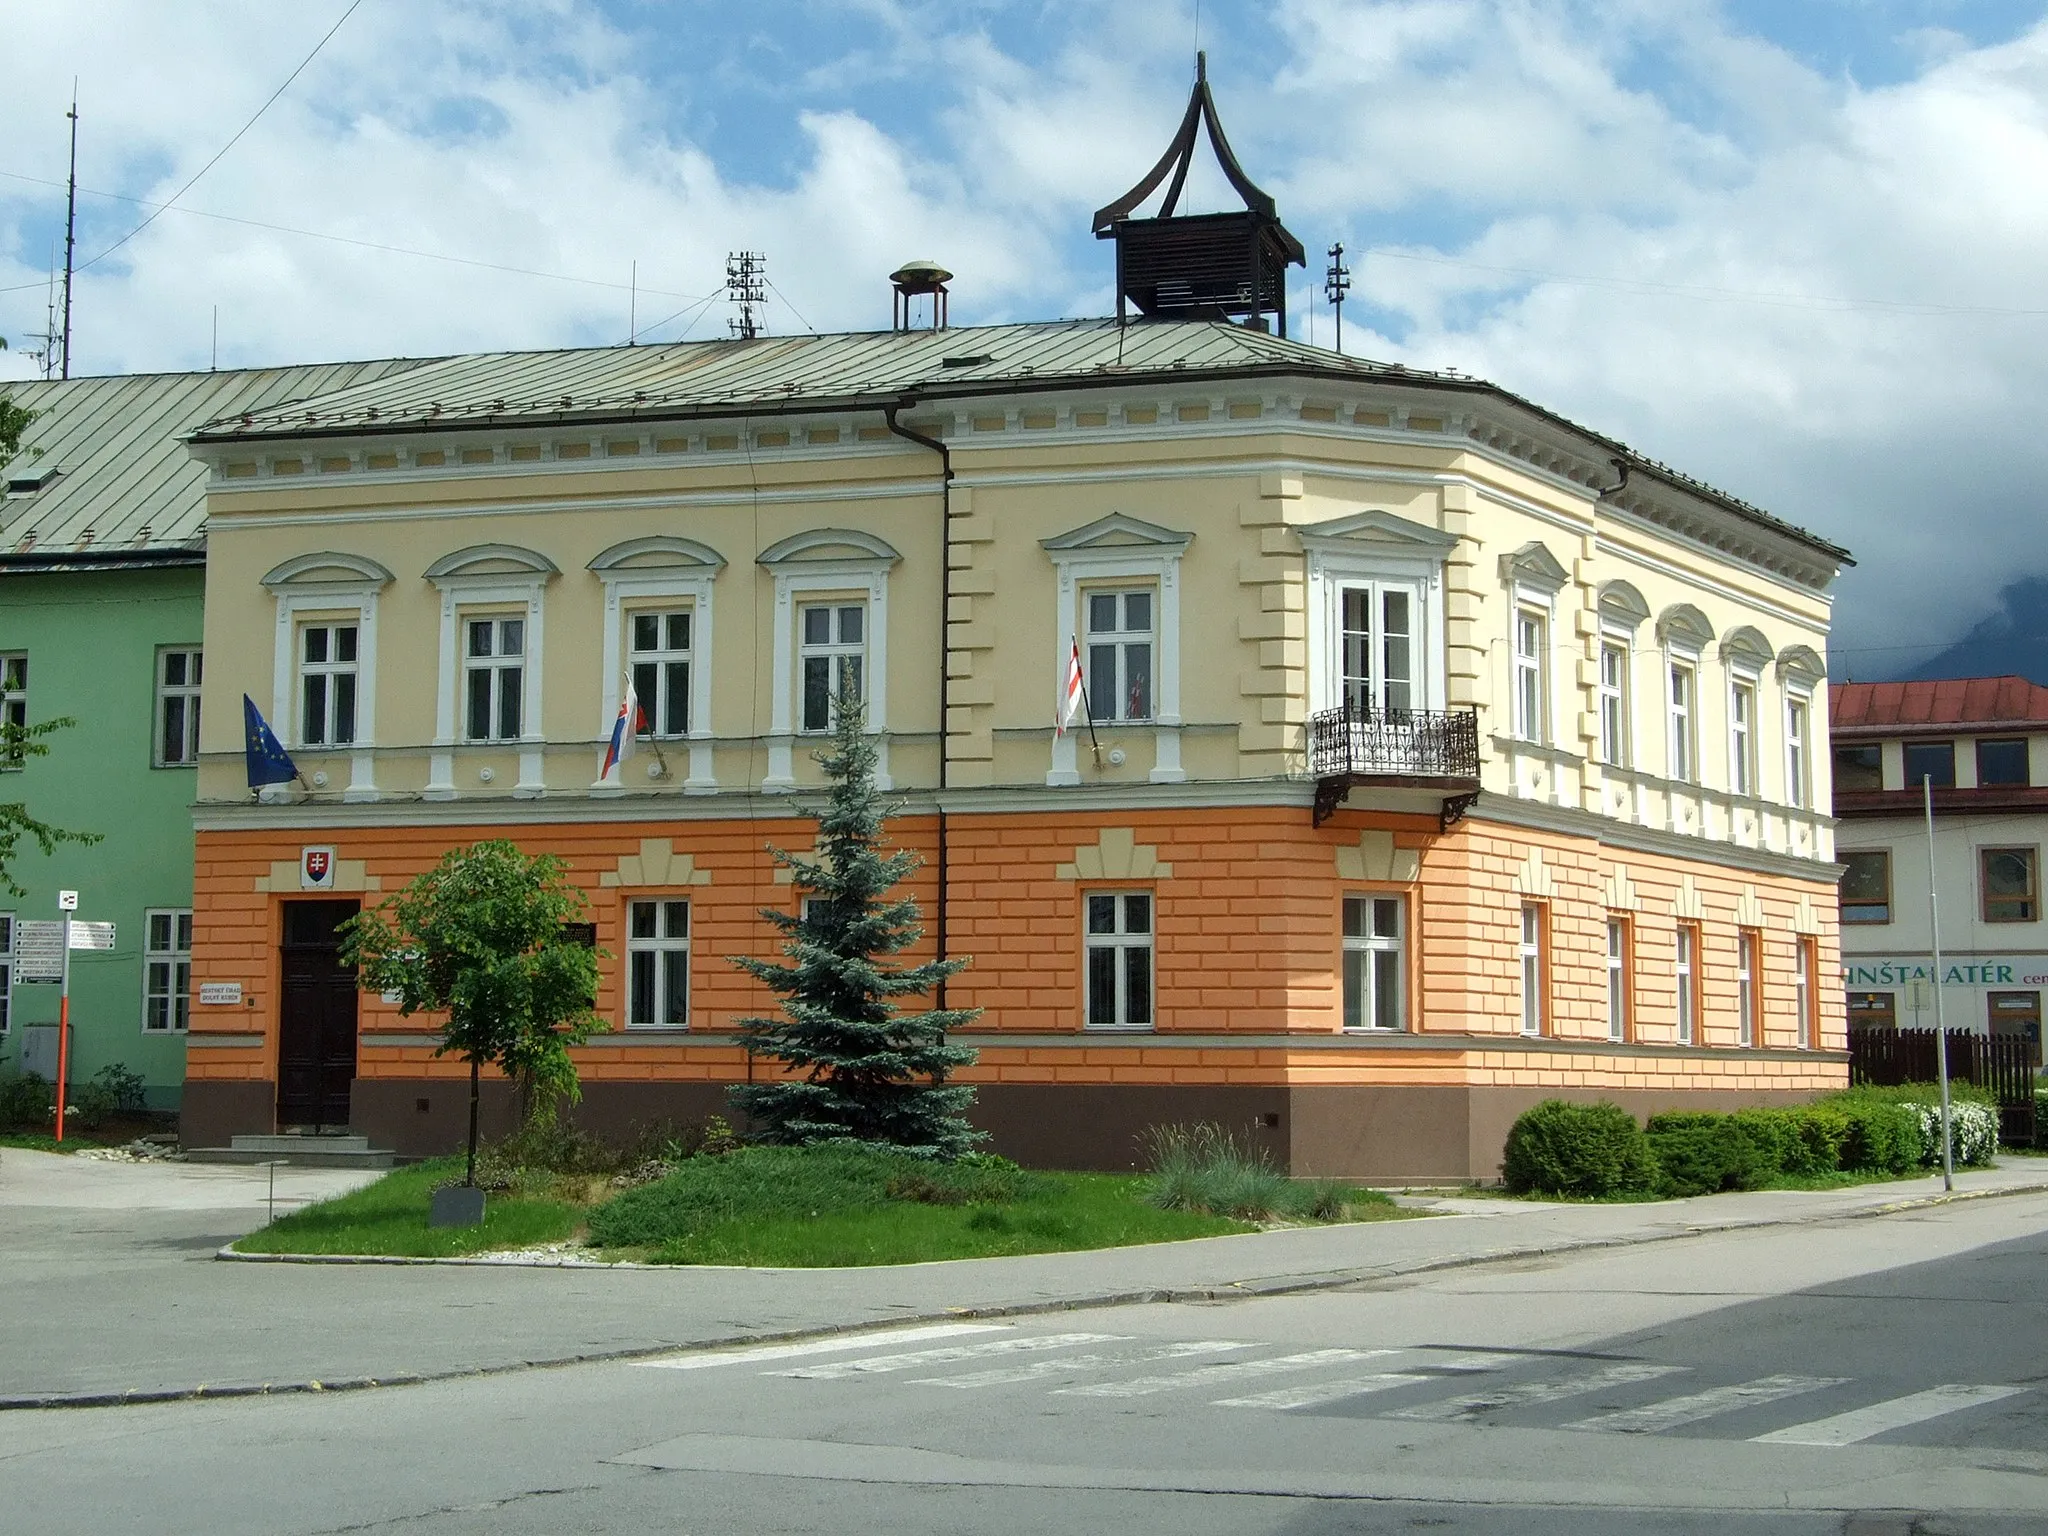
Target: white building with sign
{"points": [[1983, 744]]}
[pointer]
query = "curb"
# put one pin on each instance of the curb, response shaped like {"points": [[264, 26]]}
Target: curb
{"points": [[1235, 1290]]}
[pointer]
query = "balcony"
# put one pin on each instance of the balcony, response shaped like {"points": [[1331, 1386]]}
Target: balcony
{"points": [[1395, 749]]}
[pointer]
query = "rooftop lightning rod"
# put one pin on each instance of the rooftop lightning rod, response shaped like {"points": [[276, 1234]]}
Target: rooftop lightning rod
{"points": [[70, 227], [746, 286]]}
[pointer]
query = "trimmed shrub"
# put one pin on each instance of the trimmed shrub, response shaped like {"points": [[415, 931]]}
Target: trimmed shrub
{"points": [[1589, 1150], [25, 1103], [1879, 1137], [1704, 1153]]}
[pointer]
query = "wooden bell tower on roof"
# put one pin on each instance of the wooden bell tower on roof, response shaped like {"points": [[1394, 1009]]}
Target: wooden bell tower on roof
{"points": [[1201, 266]]}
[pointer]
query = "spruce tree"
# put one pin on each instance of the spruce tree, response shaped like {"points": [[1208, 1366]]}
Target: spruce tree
{"points": [[861, 1070]]}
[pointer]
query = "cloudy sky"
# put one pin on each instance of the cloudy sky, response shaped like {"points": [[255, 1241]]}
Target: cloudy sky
{"points": [[1792, 248]]}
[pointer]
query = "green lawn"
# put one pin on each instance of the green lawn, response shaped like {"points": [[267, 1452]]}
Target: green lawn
{"points": [[389, 1217], [771, 1206]]}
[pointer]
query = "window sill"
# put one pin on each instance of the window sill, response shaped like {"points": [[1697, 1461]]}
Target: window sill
{"points": [[1119, 1029], [1370, 1029]]}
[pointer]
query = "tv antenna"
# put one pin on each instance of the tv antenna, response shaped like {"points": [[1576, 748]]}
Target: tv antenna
{"points": [[1337, 283], [45, 356], [746, 285]]}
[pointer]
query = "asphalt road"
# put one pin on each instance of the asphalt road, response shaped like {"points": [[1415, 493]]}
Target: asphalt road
{"points": [[1873, 1376]]}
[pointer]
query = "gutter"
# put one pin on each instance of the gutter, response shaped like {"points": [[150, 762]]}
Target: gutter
{"points": [[30, 563], [938, 446]]}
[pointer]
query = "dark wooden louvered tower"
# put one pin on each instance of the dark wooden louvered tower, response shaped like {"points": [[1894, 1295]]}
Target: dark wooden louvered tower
{"points": [[1203, 266]]}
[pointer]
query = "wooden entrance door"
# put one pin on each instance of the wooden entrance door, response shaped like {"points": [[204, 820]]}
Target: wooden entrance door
{"points": [[317, 1026], [2018, 1013]]}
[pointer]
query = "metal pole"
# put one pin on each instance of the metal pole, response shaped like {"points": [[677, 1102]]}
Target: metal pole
{"points": [[474, 1069], [1948, 1166], [64, 1025], [70, 232]]}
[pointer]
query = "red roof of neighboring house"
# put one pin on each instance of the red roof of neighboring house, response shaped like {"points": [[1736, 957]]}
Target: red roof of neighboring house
{"points": [[1867, 709]]}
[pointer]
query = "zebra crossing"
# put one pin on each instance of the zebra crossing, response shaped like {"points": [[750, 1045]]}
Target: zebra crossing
{"points": [[1421, 1385]]}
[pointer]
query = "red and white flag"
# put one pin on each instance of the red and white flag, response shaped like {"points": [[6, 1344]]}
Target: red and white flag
{"points": [[1070, 692], [626, 728]]}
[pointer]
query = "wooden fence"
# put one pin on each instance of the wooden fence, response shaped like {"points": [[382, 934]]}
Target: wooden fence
{"points": [[2001, 1064]]}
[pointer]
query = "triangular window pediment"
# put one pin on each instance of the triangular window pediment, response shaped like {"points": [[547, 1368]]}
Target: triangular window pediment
{"points": [[1383, 530], [1118, 531], [1533, 565]]}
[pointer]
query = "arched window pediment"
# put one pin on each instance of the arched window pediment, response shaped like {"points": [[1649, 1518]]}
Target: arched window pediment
{"points": [[1802, 666], [829, 544], [1746, 647], [658, 552], [492, 560], [1621, 604], [1684, 626], [327, 567]]}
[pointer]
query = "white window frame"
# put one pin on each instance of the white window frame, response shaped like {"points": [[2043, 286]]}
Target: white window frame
{"points": [[1121, 940], [187, 694], [661, 950], [1620, 991], [1749, 981], [1798, 749], [1686, 973], [1378, 681], [1529, 952], [1378, 952], [1118, 643], [331, 669], [1120, 551], [1377, 551], [13, 701], [333, 589], [473, 584], [1743, 757], [1682, 737], [1806, 990], [176, 995], [658, 703], [1529, 688], [1617, 724], [7, 929], [812, 564], [660, 572], [835, 650], [493, 666]]}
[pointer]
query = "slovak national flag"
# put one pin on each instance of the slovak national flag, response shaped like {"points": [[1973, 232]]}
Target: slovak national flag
{"points": [[626, 729], [1071, 691]]}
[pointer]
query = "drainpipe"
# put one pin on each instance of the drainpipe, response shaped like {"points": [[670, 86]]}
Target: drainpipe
{"points": [[938, 446]]}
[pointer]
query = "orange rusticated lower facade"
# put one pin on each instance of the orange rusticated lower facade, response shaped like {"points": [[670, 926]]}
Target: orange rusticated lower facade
{"points": [[1247, 912]]}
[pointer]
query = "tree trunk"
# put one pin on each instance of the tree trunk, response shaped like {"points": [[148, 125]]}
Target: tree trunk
{"points": [[474, 1069]]}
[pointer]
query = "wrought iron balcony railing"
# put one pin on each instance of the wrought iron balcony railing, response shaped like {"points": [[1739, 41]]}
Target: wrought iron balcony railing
{"points": [[1414, 747]]}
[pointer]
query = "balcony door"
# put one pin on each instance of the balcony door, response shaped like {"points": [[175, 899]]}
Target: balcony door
{"points": [[1379, 648]]}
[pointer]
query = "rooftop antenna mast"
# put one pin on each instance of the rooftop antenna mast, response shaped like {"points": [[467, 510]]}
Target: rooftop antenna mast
{"points": [[1337, 283], [70, 227], [45, 356], [746, 277]]}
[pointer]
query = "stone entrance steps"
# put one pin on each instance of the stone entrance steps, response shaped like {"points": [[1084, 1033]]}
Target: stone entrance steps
{"points": [[299, 1151]]}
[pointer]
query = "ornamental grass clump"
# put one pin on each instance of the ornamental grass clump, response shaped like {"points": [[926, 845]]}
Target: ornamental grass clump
{"points": [[1205, 1169], [1590, 1151]]}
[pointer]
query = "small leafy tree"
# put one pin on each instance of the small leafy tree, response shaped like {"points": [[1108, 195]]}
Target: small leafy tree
{"points": [[14, 420], [868, 1072], [483, 937], [18, 743]]}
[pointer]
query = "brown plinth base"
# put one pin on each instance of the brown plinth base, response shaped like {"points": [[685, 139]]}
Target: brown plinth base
{"points": [[1381, 1135], [213, 1113]]}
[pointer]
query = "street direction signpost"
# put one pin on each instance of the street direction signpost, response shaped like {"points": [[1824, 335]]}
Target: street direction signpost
{"points": [[43, 954]]}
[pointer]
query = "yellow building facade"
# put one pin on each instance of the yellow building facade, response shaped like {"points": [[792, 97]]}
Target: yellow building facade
{"points": [[1446, 756]]}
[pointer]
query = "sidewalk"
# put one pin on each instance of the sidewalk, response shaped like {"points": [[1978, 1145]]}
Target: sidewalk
{"points": [[138, 1309]]}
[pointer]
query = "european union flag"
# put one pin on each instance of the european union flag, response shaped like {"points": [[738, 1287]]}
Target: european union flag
{"points": [[269, 763]]}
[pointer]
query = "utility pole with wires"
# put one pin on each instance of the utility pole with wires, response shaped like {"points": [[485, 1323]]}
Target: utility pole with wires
{"points": [[1337, 283], [70, 228], [746, 279]]}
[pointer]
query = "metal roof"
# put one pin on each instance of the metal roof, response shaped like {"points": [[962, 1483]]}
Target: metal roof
{"points": [[865, 369], [114, 483], [1877, 709]]}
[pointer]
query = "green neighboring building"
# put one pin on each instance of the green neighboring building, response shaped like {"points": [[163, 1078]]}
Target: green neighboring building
{"points": [[102, 575]]}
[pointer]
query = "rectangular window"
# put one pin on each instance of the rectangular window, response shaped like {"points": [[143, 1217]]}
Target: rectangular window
{"points": [[1620, 984], [1798, 776], [1687, 975], [1749, 980], [494, 679], [1614, 721], [1859, 768], [2002, 764], [1118, 945], [1742, 738], [1934, 760], [2010, 894], [661, 657], [1380, 649], [1529, 628], [1873, 1010], [6, 971], [1120, 652], [657, 964], [1530, 949], [832, 653], [13, 705], [327, 685], [1867, 887], [167, 971], [1373, 984], [1806, 993], [1682, 697], [177, 708]]}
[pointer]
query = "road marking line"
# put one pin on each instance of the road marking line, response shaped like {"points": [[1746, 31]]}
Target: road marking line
{"points": [[1653, 1418], [1527, 1393], [1879, 1418], [1322, 1392], [1076, 1365], [837, 1345], [1202, 1376], [876, 1364]]}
